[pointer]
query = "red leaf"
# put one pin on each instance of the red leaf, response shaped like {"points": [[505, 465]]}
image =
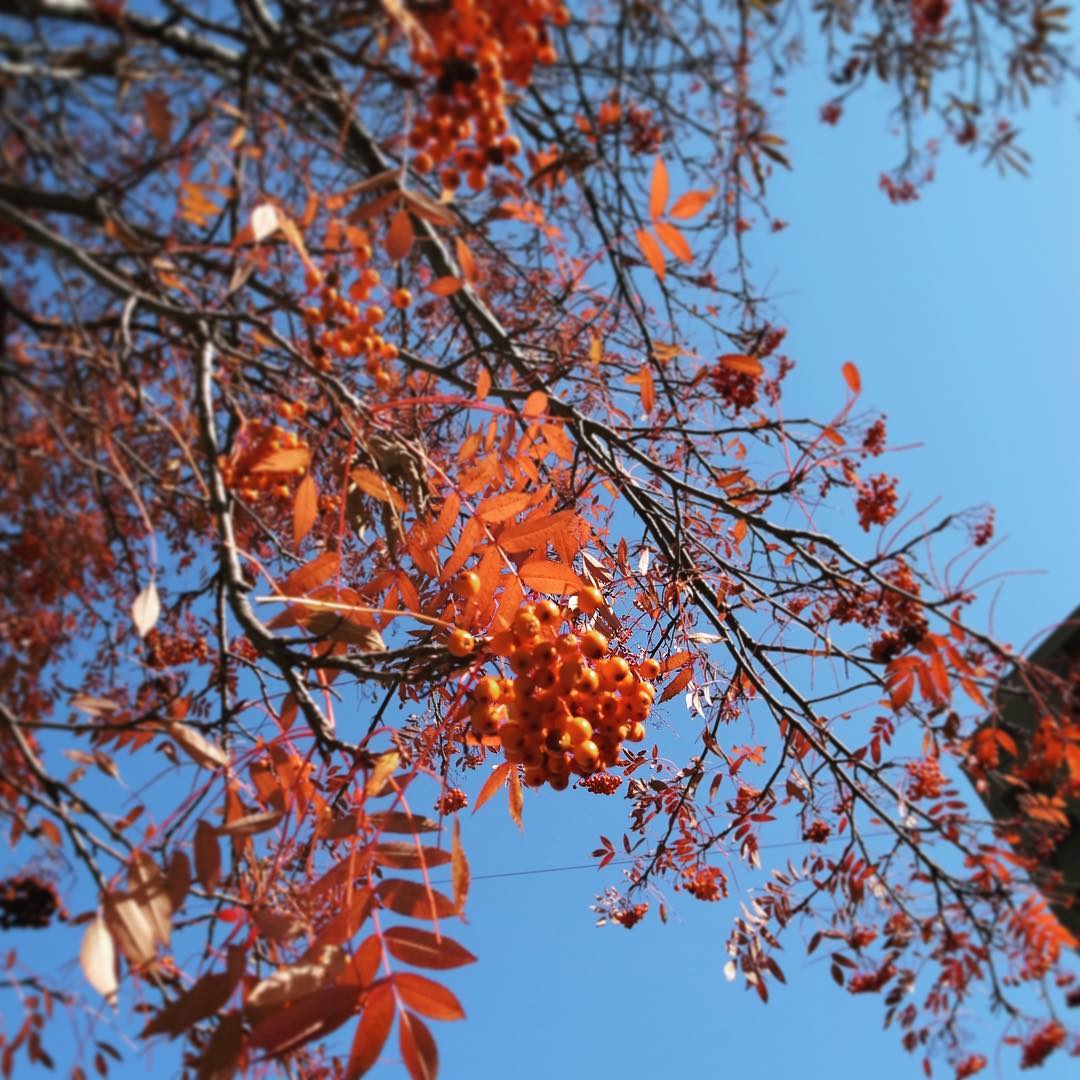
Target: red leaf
{"points": [[651, 250], [658, 190], [405, 856], [411, 899], [423, 949], [428, 997], [207, 854], [399, 236], [418, 1049], [851, 377], [372, 1031], [677, 684]]}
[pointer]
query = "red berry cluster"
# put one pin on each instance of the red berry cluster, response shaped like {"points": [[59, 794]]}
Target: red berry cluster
{"points": [[27, 902], [570, 704], [451, 801]]}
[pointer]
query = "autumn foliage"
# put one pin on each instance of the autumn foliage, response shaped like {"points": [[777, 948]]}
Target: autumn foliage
{"points": [[389, 422]]}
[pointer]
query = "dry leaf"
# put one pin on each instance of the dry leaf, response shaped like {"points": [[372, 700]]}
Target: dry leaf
{"points": [[146, 609], [97, 957]]}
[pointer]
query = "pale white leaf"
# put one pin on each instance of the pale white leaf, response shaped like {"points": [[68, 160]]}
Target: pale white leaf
{"points": [[643, 561], [705, 639], [730, 970], [146, 609], [264, 222], [97, 957]]}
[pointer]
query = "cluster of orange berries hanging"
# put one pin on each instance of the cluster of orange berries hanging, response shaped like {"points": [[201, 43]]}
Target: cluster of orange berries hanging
{"points": [[256, 466], [570, 703], [349, 330], [473, 48]]}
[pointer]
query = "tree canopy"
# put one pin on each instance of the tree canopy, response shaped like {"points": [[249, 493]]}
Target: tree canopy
{"points": [[392, 422]]}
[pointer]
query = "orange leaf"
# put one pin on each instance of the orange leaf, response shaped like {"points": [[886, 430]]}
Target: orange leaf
{"points": [[549, 577], [428, 997], [483, 384], [399, 236], [466, 261], [445, 286], [745, 365], [651, 250], [691, 204], [851, 377], [311, 574], [305, 508], [515, 798], [284, 461], [372, 1031], [459, 868], [644, 380], [371, 483], [500, 507], [535, 404], [423, 949], [418, 1049], [658, 190], [492, 784], [674, 241]]}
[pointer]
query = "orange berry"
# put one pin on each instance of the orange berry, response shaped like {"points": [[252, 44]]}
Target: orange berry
{"points": [[526, 625], [586, 755], [588, 682], [547, 611], [401, 298], [423, 162], [467, 585], [485, 719], [513, 737], [636, 733], [649, 668], [460, 643], [521, 661], [560, 781], [589, 599], [535, 777], [487, 690], [579, 729], [383, 379], [568, 645], [374, 314], [544, 655], [593, 644]]}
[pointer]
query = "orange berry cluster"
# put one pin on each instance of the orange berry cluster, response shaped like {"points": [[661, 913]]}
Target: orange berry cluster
{"points": [[474, 48], [570, 705], [246, 472], [349, 331]]}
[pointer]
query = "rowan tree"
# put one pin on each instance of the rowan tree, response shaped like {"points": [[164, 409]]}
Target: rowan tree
{"points": [[390, 420]]}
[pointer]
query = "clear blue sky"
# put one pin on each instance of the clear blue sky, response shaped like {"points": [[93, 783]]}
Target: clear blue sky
{"points": [[960, 311]]}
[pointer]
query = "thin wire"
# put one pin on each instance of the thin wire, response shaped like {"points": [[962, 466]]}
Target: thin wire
{"points": [[625, 862]]}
